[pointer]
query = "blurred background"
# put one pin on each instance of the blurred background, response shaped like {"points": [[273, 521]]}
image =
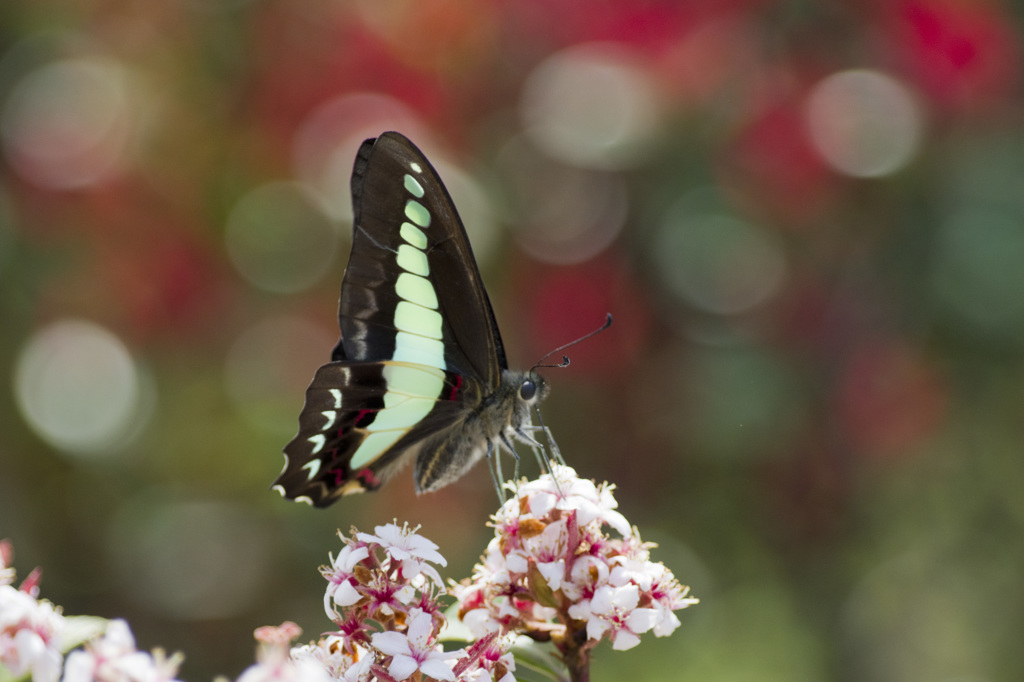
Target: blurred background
{"points": [[807, 219]]}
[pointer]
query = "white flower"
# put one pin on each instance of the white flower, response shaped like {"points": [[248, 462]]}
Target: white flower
{"points": [[640, 573], [559, 528], [613, 610], [586, 574], [29, 633], [549, 549], [669, 596], [285, 671], [114, 658], [330, 654], [410, 550], [339, 575], [564, 490], [412, 651], [481, 622], [591, 502]]}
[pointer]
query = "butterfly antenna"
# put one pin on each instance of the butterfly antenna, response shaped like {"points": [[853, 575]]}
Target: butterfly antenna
{"points": [[565, 358]]}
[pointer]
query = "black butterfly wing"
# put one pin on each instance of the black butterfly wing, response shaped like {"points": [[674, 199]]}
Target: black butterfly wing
{"points": [[407, 230], [419, 345], [354, 429]]}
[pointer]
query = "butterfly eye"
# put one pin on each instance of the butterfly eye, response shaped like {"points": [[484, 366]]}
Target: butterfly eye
{"points": [[528, 390]]}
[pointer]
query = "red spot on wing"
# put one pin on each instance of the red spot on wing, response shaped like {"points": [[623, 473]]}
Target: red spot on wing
{"points": [[455, 387], [367, 478]]}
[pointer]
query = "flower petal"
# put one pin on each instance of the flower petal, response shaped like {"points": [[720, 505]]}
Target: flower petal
{"points": [[391, 643], [402, 666], [438, 669], [624, 639]]}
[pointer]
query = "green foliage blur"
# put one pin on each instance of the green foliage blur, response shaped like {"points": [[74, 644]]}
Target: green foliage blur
{"points": [[806, 218]]}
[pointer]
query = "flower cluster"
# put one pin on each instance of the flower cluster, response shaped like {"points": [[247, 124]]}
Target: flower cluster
{"points": [[551, 574], [34, 635], [382, 595], [552, 571], [30, 628]]}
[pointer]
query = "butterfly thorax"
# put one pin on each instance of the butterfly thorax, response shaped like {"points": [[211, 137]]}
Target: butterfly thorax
{"points": [[499, 418]]}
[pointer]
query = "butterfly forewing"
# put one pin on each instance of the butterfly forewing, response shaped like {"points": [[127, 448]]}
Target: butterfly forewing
{"points": [[412, 271]]}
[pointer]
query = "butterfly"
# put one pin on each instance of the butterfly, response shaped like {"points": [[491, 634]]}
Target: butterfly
{"points": [[419, 373]]}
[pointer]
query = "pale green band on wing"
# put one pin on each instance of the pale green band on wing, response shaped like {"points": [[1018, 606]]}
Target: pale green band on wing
{"points": [[419, 349], [416, 289], [413, 186], [413, 380], [416, 319], [413, 235], [372, 447], [412, 392], [402, 416], [412, 260], [417, 212]]}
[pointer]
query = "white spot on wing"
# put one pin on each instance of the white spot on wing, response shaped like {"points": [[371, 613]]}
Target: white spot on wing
{"points": [[337, 396], [330, 415], [416, 167], [313, 466], [318, 442], [417, 213], [413, 186]]}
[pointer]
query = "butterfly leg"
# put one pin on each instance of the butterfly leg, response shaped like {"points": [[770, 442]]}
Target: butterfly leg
{"points": [[556, 453], [494, 466], [510, 446]]}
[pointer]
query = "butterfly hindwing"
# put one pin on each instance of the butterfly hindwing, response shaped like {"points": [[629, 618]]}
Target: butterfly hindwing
{"points": [[360, 421]]}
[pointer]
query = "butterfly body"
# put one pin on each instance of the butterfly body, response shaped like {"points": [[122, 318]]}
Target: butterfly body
{"points": [[420, 371]]}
